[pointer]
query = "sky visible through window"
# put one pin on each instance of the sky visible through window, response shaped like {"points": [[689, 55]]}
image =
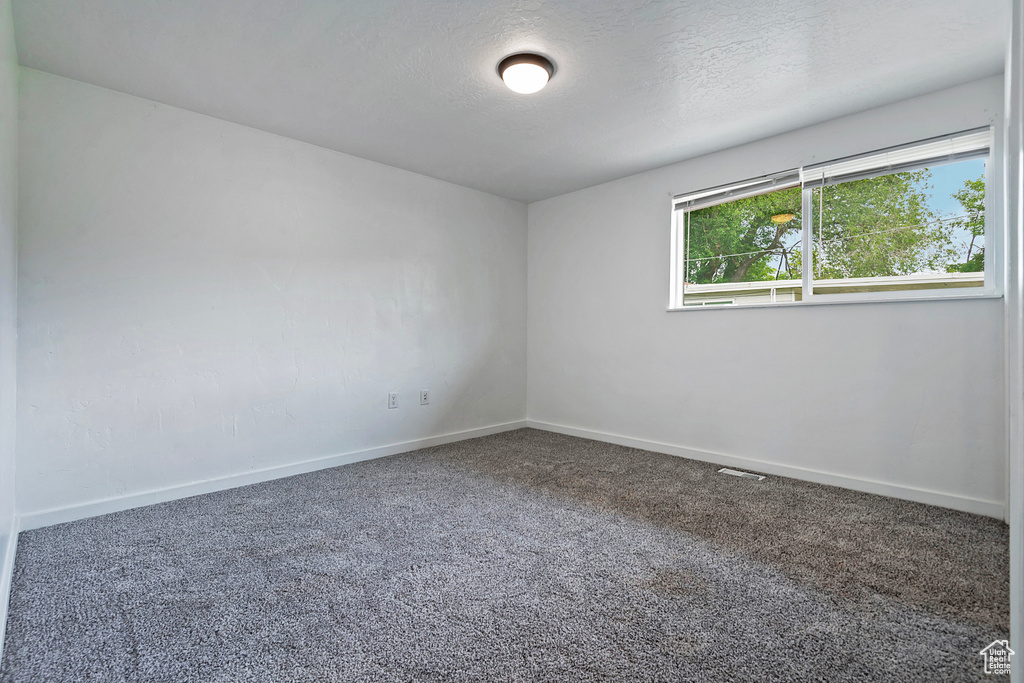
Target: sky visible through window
{"points": [[946, 180], [926, 221]]}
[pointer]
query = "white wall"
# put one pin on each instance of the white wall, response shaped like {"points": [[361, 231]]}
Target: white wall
{"points": [[899, 398], [1014, 107], [198, 299], [8, 261], [8, 295]]}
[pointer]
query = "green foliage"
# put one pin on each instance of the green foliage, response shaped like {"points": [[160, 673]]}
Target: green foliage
{"points": [[875, 227], [744, 228], [972, 199]]}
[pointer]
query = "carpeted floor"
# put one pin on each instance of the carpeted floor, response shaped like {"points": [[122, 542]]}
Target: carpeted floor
{"points": [[525, 556]]}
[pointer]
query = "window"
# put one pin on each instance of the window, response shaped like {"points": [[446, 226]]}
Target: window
{"points": [[906, 222]]}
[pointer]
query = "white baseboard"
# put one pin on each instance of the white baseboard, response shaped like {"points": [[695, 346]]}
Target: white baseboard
{"points": [[35, 520], [989, 508], [6, 577], [42, 518]]}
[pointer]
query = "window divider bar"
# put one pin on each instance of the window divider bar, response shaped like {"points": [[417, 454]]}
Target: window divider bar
{"points": [[972, 144], [807, 224], [674, 300]]}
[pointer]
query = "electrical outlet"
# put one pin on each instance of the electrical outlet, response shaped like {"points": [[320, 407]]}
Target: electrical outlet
{"points": [[424, 397], [392, 401]]}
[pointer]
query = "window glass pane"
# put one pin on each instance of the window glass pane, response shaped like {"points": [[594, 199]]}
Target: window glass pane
{"points": [[744, 251], [921, 229]]}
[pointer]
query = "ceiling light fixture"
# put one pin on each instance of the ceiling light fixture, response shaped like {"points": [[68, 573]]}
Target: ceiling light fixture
{"points": [[526, 72], [783, 217]]}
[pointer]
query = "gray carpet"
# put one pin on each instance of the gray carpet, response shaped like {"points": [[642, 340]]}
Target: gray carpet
{"points": [[525, 556]]}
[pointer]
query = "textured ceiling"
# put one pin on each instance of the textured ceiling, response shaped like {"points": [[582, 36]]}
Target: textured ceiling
{"points": [[412, 84]]}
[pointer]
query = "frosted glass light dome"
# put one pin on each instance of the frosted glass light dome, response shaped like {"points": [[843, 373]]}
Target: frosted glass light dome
{"points": [[525, 73]]}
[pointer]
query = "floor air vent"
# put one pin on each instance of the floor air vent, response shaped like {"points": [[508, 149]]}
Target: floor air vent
{"points": [[737, 473]]}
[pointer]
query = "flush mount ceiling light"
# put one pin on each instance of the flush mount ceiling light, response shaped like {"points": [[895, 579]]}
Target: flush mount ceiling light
{"points": [[783, 217], [525, 72]]}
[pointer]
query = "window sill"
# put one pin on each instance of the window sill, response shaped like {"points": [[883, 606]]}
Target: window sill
{"points": [[826, 301]]}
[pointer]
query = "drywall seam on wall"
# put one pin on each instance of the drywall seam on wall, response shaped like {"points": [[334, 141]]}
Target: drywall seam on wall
{"points": [[42, 518], [989, 508]]}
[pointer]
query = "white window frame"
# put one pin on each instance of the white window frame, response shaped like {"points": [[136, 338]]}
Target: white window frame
{"points": [[812, 176]]}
